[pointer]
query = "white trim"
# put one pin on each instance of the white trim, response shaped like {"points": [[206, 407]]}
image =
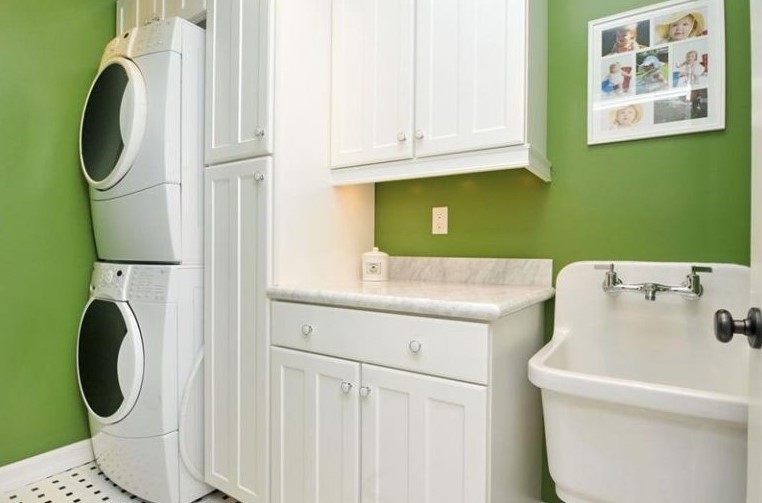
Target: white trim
{"points": [[44, 465], [518, 156]]}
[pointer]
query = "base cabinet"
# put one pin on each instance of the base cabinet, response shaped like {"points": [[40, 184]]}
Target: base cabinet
{"points": [[347, 427], [422, 438], [315, 428]]}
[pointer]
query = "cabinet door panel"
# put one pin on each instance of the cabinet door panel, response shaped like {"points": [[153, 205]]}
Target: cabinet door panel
{"points": [[372, 88], [236, 342], [424, 439], [315, 428], [470, 75], [238, 83]]}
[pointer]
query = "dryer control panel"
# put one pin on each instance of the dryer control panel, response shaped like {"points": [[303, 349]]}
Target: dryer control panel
{"points": [[129, 282]]}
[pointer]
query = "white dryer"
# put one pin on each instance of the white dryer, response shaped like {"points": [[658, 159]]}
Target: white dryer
{"points": [[139, 355], [141, 145]]}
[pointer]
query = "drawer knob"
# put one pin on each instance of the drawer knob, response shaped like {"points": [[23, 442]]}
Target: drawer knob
{"points": [[346, 387], [415, 346], [364, 391], [307, 330]]}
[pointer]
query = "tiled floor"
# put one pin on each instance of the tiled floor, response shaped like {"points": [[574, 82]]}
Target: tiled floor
{"points": [[84, 484]]}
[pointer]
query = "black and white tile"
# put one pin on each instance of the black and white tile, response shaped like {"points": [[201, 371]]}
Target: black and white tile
{"points": [[84, 484]]}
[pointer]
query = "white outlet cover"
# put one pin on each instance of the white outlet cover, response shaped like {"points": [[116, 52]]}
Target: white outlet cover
{"points": [[439, 220]]}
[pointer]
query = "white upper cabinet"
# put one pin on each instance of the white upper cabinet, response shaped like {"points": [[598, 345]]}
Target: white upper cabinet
{"points": [[132, 13], [238, 80], [467, 94], [372, 91], [478, 71]]}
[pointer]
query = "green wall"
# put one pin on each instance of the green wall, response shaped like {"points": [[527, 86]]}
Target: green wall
{"points": [[680, 198], [49, 51]]}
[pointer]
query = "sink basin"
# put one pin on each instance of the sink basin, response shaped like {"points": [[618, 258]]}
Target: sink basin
{"points": [[641, 403]]}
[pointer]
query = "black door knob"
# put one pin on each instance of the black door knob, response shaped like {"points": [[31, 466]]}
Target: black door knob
{"points": [[725, 326]]}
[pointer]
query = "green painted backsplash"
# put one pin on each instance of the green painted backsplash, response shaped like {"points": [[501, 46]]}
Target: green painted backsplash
{"points": [[679, 198], [50, 51]]}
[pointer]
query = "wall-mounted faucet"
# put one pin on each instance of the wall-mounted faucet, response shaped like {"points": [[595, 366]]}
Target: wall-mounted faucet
{"points": [[691, 288]]}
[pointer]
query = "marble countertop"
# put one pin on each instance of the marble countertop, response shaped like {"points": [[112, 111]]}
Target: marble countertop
{"points": [[451, 300], [465, 288]]}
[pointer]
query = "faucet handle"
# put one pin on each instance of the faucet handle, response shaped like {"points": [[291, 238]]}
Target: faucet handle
{"points": [[697, 268]]}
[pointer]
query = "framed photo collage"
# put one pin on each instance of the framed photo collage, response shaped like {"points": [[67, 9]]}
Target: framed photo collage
{"points": [[657, 71]]}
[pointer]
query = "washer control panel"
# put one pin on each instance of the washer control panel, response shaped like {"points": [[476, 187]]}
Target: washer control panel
{"points": [[129, 282], [149, 283]]}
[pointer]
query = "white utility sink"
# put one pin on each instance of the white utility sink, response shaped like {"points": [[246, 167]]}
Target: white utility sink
{"points": [[641, 403]]}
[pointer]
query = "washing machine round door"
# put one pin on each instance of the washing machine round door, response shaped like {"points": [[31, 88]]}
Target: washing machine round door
{"points": [[110, 360], [113, 123]]}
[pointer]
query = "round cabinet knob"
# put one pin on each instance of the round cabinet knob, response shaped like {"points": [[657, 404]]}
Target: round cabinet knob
{"points": [[419, 135], [259, 177], [725, 327], [259, 133], [346, 387], [364, 391], [401, 136], [307, 330], [415, 346]]}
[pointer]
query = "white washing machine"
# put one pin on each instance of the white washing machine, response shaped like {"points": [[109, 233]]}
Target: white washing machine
{"points": [[139, 365], [141, 145]]}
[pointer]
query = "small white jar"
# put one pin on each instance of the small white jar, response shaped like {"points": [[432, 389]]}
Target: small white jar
{"points": [[375, 265]]}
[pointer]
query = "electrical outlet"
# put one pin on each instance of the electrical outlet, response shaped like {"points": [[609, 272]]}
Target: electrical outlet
{"points": [[439, 220]]}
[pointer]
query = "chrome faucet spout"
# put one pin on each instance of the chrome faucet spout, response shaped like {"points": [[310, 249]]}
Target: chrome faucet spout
{"points": [[650, 290]]}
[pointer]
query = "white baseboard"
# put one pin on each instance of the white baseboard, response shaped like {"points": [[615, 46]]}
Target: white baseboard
{"points": [[44, 465]]}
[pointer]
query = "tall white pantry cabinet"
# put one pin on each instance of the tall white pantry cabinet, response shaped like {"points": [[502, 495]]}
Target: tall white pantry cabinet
{"points": [[272, 215]]}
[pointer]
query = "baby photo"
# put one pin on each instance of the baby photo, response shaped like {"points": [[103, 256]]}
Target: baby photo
{"points": [[690, 63], [625, 38], [695, 105], [652, 71], [680, 25], [617, 76], [625, 117]]}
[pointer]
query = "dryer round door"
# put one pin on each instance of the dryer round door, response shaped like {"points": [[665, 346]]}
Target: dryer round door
{"points": [[110, 359], [113, 123]]}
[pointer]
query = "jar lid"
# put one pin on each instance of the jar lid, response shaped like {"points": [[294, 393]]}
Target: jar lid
{"points": [[375, 253]]}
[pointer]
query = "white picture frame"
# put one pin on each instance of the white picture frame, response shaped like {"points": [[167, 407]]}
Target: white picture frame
{"points": [[656, 71]]}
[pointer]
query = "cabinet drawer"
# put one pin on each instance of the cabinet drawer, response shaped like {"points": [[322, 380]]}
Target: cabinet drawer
{"points": [[448, 348]]}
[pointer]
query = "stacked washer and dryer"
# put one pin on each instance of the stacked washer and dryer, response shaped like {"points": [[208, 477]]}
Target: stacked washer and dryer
{"points": [[140, 341]]}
